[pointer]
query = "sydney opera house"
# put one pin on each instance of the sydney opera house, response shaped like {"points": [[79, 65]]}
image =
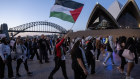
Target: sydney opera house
{"points": [[116, 17], [117, 20]]}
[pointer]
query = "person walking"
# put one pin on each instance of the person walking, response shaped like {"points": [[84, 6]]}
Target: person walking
{"points": [[28, 45], [21, 52], [34, 49], [90, 54], [98, 47], [110, 49], [5, 59], [79, 62], [130, 45], [43, 49], [121, 44], [59, 59]]}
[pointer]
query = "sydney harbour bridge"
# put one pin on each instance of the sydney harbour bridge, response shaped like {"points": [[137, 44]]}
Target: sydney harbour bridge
{"points": [[38, 26]]}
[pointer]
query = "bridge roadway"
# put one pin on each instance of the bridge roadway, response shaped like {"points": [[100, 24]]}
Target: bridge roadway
{"points": [[32, 31], [41, 71]]}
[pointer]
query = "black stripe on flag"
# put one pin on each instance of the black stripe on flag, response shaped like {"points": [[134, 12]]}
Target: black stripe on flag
{"points": [[69, 4]]}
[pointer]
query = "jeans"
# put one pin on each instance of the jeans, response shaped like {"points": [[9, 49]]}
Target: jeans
{"points": [[109, 56], [28, 53]]}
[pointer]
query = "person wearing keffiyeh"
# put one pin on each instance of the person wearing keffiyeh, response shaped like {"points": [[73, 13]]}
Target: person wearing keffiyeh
{"points": [[79, 62], [59, 58]]}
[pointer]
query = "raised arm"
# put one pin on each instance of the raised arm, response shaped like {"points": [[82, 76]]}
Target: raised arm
{"points": [[60, 43], [64, 37]]}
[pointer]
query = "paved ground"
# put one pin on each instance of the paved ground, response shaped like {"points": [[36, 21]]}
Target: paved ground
{"points": [[41, 71]]}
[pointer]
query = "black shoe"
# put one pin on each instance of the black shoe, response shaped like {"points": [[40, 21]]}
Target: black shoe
{"points": [[50, 77], [18, 75], [30, 73]]}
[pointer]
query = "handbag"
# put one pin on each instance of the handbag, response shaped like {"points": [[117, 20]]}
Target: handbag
{"points": [[128, 54]]}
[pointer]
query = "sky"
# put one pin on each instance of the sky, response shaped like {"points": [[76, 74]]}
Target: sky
{"points": [[18, 12]]}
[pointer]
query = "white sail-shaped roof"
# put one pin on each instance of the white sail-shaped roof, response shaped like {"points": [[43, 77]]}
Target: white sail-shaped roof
{"points": [[115, 8], [98, 11]]}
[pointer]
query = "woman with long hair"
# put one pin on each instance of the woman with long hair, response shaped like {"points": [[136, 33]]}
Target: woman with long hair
{"points": [[78, 61], [5, 59], [90, 54], [130, 45], [21, 52], [122, 43], [98, 47]]}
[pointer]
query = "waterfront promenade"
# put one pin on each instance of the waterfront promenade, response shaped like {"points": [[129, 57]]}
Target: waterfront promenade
{"points": [[41, 71]]}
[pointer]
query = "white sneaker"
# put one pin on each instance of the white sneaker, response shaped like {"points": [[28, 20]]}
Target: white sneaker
{"points": [[104, 64], [129, 77]]}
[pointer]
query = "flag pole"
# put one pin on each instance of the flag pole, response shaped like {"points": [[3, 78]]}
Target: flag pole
{"points": [[72, 26]]}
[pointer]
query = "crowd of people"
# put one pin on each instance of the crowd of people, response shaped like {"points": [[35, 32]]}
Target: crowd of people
{"points": [[84, 52]]}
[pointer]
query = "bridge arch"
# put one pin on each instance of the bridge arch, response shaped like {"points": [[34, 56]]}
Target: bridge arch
{"points": [[24, 27]]}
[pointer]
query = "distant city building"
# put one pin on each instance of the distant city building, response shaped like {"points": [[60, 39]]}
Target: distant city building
{"points": [[4, 29], [116, 17]]}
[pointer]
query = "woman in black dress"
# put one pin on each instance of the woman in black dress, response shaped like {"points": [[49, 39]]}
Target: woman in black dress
{"points": [[78, 64]]}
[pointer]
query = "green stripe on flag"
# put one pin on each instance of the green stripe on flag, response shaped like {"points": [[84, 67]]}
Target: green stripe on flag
{"points": [[62, 16]]}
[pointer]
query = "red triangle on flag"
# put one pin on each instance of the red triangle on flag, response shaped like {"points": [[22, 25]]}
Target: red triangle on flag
{"points": [[75, 13]]}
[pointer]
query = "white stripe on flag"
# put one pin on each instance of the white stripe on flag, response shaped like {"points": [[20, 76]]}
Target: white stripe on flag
{"points": [[59, 8]]}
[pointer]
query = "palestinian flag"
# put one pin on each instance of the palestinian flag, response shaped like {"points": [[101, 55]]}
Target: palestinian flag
{"points": [[67, 10]]}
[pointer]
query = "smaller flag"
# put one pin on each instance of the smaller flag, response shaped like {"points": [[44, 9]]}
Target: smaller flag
{"points": [[66, 10]]}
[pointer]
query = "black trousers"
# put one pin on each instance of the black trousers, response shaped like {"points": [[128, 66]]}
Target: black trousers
{"points": [[34, 52], [2, 67], [58, 64], [19, 61], [79, 74], [98, 53], [138, 52], [123, 61], [91, 62], [43, 53]]}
